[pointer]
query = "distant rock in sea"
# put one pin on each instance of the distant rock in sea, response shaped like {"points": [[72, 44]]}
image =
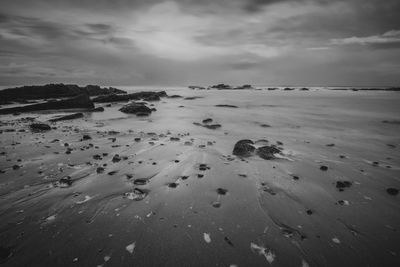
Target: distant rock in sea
{"points": [[223, 86], [54, 91], [145, 96]]}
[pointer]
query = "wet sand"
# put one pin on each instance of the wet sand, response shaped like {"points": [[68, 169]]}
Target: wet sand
{"points": [[178, 197]]}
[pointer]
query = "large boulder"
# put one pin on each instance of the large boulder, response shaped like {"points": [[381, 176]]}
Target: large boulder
{"points": [[79, 102], [244, 148], [140, 109]]}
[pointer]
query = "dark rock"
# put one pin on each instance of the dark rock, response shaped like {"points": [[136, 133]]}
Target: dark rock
{"points": [[16, 167], [173, 185], [192, 97], [81, 101], [116, 158], [243, 148], [226, 106], [86, 137], [98, 109], [309, 212], [175, 96], [341, 185], [288, 89], [330, 145], [265, 125], [137, 139], [174, 139], [39, 127], [221, 86], [140, 181], [267, 152], [100, 170], [67, 117], [222, 191], [53, 91], [208, 120], [64, 182], [323, 168], [392, 191], [146, 96], [136, 108], [212, 126]]}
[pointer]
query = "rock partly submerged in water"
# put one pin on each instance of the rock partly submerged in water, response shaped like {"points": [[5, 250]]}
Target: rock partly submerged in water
{"points": [[146, 96], [138, 108], [79, 102]]}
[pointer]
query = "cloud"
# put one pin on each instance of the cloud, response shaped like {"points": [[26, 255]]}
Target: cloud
{"points": [[189, 41], [389, 37]]}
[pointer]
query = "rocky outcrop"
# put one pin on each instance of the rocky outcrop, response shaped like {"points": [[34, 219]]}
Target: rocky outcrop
{"points": [[146, 96], [39, 127], [247, 148], [140, 109], [54, 91], [82, 102], [67, 117]]}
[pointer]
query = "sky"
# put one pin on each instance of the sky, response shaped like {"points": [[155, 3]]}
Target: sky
{"points": [[200, 42]]}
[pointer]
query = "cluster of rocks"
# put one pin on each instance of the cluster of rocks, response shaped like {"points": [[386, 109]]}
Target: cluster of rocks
{"points": [[138, 108], [223, 86], [207, 123], [246, 148], [79, 102], [145, 96], [54, 91]]}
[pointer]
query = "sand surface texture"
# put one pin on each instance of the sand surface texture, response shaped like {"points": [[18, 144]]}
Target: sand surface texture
{"points": [[162, 191]]}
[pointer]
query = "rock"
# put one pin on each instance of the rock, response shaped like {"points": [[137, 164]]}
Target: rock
{"points": [[136, 108], [54, 91], [136, 194], [175, 96], [341, 185], [116, 158], [67, 117], [81, 101], [146, 96], [212, 126], [208, 120], [392, 191], [267, 152], [100, 170], [39, 127], [243, 148], [98, 109], [221, 191], [323, 168], [226, 106], [86, 137], [221, 86], [64, 182]]}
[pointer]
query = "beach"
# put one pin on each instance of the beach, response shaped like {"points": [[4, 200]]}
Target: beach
{"points": [[116, 189]]}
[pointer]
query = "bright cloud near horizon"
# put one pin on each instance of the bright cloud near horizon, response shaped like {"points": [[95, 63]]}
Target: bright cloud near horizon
{"points": [[270, 42]]}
